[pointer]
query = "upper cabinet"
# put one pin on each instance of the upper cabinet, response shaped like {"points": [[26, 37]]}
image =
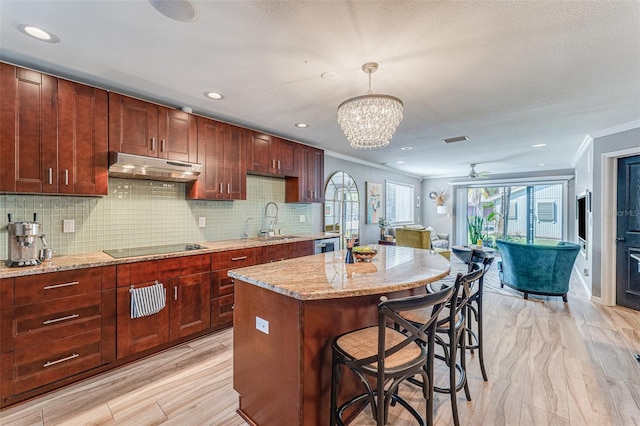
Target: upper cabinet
{"points": [[222, 152], [29, 131], [309, 186], [142, 128], [42, 116], [271, 155], [82, 130]]}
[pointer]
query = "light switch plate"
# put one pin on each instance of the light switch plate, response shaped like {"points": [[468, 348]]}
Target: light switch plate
{"points": [[68, 225], [202, 221], [262, 325], [302, 218]]}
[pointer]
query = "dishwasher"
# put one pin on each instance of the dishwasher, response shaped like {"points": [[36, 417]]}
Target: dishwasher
{"points": [[326, 244]]}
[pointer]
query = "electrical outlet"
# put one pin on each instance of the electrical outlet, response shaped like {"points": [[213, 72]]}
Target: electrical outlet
{"points": [[262, 325], [202, 221], [68, 225], [302, 218]]}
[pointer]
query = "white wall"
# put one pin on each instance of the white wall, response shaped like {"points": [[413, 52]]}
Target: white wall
{"points": [[583, 182]]}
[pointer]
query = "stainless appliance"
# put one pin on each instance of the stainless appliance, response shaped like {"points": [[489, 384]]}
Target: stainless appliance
{"points": [[23, 249], [150, 168], [326, 244]]}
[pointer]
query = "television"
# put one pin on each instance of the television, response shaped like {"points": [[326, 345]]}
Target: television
{"points": [[583, 208]]}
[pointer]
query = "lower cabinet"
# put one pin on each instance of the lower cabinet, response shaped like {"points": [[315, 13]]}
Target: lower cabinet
{"points": [[187, 284], [55, 326], [222, 285]]}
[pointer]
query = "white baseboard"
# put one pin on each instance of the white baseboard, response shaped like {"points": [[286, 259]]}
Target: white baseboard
{"points": [[597, 300]]}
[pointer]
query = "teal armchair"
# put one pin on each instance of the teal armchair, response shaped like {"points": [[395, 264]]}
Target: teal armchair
{"points": [[537, 269]]}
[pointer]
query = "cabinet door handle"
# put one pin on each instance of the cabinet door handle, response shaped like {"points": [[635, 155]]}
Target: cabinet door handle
{"points": [[221, 187], [51, 321], [228, 188], [163, 145], [49, 287], [278, 164], [273, 164], [50, 363], [66, 177], [233, 259], [175, 292], [50, 176], [153, 144]]}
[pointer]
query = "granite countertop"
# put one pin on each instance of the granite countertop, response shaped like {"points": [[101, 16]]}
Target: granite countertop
{"points": [[326, 276], [95, 259]]}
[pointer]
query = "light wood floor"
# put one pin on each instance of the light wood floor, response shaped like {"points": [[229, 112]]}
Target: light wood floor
{"points": [[549, 363]]}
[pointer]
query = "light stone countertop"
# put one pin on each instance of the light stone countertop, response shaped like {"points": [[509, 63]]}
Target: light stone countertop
{"points": [[326, 276], [95, 259]]}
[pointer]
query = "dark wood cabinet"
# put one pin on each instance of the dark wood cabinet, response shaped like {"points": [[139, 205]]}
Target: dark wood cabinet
{"points": [[29, 131], [222, 152], [304, 248], [222, 285], [82, 139], [187, 285], [308, 187], [56, 326], [53, 137], [271, 155], [142, 128]]}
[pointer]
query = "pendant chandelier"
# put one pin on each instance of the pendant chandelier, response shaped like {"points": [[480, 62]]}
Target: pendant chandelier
{"points": [[369, 121]]}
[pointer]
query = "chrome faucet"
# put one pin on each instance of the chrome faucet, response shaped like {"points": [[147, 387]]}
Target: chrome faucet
{"points": [[266, 216], [245, 235]]}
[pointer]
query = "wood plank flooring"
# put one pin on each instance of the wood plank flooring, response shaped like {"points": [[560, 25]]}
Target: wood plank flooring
{"points": [[549, 363]]}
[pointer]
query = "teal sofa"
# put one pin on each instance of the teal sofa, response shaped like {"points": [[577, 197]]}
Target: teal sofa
{"points": [[537, 269]]}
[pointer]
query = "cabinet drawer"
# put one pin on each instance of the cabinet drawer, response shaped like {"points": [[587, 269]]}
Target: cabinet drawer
{"points": [[43, 364], [221, 284], [222, 311], [39, 288], [48, 321], [181, 266], [233, 259]]}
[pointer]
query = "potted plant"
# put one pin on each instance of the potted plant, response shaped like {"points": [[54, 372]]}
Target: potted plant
{"points": [[383, 222]]}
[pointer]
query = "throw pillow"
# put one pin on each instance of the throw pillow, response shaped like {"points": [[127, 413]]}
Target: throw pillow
{"points": [[433, 235]]}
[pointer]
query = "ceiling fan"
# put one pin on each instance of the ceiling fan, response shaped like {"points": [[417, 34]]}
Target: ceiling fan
{"points": [[478, 175]]}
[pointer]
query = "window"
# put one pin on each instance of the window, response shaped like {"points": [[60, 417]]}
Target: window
{"points": [[399, 203]]}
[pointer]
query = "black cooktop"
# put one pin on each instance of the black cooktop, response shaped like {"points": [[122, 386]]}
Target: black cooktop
{"points": [[146, 251]]}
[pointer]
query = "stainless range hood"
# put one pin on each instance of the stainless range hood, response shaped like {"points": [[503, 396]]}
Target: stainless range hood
{"points": [[140, 167]]}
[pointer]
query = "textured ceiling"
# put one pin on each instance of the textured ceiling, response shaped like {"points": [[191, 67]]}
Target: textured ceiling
{"points": [[507, 74]]}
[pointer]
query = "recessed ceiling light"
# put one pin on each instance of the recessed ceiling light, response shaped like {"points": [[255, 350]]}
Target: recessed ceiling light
{"points": [[178, 10], [406, 148], [538, 145], [38, 33], [329, 75], [400, 162], [213, 95], [301, 125], [541, 164]]}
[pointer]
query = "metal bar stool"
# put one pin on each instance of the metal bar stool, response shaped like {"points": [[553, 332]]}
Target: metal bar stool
{"points": [[452, 323], [382, 357], [474, 306]]}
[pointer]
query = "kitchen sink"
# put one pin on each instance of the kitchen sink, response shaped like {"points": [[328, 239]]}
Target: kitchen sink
{"points": [[275, 237]]}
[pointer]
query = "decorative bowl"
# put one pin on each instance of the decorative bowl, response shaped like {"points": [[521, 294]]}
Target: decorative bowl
{"points": [[364, 257]]}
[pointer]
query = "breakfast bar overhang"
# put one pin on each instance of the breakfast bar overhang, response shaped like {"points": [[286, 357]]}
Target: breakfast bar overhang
{"points": [[287, 313]]}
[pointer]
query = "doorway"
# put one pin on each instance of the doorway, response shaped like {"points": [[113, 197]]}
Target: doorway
{"points": [[628, 233]]}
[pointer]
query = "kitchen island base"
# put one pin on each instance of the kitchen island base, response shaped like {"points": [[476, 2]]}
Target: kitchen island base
{"points": [[283, 374]]}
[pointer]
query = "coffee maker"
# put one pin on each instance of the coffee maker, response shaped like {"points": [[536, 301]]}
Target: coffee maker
{"points": [[23, 250]]}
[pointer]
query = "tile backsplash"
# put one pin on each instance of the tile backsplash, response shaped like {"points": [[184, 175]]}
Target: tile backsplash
{"points": [[145, 213]]}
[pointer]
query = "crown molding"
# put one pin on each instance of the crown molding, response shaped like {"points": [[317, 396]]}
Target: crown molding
{"points": [[616, 129]]}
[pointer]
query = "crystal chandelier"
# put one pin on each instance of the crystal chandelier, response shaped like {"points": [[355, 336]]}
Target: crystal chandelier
{"points": [[369, 121]]}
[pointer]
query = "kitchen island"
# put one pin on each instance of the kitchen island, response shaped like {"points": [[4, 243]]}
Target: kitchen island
{"points": [[287, 313]]}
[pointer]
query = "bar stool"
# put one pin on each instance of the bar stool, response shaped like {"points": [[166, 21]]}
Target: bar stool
{"points": [[452, 323], [474, 306], [382, 357]]}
